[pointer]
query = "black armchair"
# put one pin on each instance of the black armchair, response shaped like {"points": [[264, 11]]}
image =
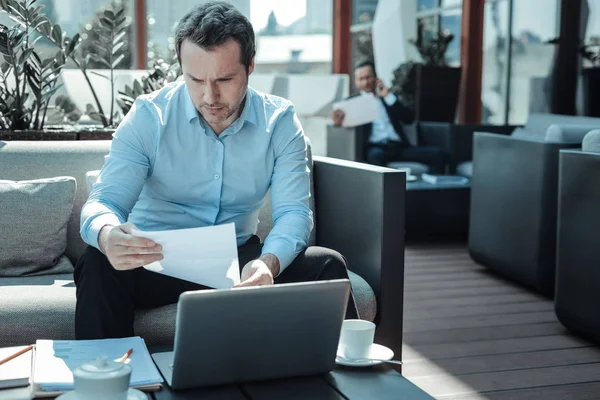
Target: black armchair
{"points": [[360, 213], [514, 199], [577, 301]]}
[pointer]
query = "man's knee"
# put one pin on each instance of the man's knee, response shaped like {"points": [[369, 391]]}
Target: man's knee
{"points": [[334, 264], [91, 262], [375, 156]]}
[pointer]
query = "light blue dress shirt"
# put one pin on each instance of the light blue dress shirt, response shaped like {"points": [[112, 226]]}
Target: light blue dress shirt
{"points": [[167, 169], [382, 129]]}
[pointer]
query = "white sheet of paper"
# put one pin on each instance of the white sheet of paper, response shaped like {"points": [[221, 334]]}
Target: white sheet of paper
{"points": [[207, 255], [359, 110]]}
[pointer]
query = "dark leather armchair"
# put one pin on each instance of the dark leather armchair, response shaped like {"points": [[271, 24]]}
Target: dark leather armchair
{"points": [[514, 197], [577, 301]]}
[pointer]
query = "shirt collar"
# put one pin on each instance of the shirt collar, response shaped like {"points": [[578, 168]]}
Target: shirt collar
{"points": [[248, 113]]}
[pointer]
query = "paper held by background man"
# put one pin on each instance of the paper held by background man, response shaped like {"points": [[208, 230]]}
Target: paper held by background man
{"points": [[207, 255], [358, 110]]}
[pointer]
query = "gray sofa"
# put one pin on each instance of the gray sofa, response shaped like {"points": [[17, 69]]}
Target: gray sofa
{"points": [[358, 211], [514, 192]]}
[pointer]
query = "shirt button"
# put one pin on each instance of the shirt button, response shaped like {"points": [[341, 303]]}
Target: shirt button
{"points": [[217, 176]]}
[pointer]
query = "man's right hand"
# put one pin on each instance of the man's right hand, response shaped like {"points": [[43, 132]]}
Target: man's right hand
{"points": [[338, 117], [125, 251]]}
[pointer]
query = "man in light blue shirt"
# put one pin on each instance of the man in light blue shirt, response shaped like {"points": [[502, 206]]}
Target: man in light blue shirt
{"points": [[198, 153]]}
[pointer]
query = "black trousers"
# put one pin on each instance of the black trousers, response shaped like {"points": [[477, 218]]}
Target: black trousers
{"points": [[107, 298], [382, 154]]}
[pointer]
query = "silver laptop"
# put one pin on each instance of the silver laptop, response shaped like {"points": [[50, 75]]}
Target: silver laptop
{"points": [[254, 333]]}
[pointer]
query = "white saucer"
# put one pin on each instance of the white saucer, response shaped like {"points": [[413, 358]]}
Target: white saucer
{"points": [[378, 351], [132, 394], [411, 178]]}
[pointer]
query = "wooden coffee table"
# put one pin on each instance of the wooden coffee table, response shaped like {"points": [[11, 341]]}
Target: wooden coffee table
{"points": [[378, 382]]}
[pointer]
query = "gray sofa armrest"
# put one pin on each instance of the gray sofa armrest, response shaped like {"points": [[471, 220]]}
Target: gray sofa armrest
{"points": [[360, 213], [514, 207], [462, 140], [345, 143]]}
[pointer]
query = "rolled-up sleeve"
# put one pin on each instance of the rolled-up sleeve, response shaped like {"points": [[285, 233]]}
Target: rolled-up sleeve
{"points": [[123, 175], [290, 191]]}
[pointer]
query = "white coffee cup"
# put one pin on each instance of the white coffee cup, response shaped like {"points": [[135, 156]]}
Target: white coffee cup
{"points": [[102, 379], [356, 338]]}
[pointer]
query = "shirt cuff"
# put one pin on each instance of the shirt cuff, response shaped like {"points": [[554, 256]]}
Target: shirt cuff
{"points": [[282, 252], [97, 224], [390, 99]]}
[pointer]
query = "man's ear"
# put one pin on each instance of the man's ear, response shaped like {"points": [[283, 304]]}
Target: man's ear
{"points": [[251, 67]]}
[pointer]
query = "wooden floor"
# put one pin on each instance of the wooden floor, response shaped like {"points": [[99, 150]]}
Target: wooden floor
{"points": [[469, 334]]}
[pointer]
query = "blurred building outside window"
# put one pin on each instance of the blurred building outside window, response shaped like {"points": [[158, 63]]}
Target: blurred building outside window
{"points": [[515, 83], [292, 36]]}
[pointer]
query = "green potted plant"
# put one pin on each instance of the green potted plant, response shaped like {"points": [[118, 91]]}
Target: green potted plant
{"points": [[591, 77], [105, 49], [431, 87], [162, 72], [27, 80]]}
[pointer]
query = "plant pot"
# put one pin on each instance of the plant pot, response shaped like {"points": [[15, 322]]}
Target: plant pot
{"points": [[437, 90], [96, 134], [39, 135], [591, 91], [59, 133]]}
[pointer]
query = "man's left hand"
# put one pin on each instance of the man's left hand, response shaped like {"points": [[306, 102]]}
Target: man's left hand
{"points": [[260, 272], [381, 89]]}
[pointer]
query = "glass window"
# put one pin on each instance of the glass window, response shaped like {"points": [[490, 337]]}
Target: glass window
{"points": [[592, 33], [451, 20], [291, 36], [494, 74], [532, 57], [423, 5], [451, 3], [363, 11], [76, 16]]}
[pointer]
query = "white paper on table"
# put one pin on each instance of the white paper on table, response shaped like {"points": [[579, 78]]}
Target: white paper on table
{"points": [[207, 255], [359, 110]]}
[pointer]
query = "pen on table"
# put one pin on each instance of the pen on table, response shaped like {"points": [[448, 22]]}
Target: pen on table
{"points": [[17, 354], [125, 356]]}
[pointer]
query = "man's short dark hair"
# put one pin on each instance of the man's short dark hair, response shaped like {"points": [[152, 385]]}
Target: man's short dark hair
{"points": [[212, 24], [366, 63]]}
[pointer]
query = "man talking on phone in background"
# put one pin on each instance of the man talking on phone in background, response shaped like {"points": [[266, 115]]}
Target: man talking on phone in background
{"points": [[387, 141]]}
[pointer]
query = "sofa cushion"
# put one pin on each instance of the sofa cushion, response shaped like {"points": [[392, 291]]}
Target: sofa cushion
{"points": [[33, 223], [40, 307], [43, 307], [591, 142], [568, 133], [47, 159]]}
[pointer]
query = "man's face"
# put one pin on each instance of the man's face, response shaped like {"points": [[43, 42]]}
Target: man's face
{"points": [[216, 80], [365, 78]]}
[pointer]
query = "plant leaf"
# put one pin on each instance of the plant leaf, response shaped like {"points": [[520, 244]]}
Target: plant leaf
{"points": [[109, 15], [73, 43], [117, 47], [25, 55], [99, 74], [51, 92], [118, 38], [118, 60], [120, 13], [106, 22], [57, 34]]}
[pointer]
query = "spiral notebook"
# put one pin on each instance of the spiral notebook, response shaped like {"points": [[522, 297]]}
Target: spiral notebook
{"points": [[55, 360]]}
